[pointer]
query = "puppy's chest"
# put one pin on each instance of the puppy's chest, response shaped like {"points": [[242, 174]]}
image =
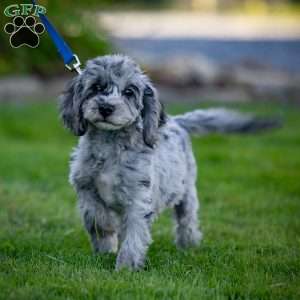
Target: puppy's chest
{"points": [[109, 179], [106, 182]]}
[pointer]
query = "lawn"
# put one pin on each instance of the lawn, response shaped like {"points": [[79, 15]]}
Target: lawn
{"points": [[250, 215]]}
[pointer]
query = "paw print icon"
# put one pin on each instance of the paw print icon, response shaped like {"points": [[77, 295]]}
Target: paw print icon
{"points": [[24, 32]]}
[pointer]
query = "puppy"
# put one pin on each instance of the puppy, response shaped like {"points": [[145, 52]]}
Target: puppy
{"points": [[132, 160]]}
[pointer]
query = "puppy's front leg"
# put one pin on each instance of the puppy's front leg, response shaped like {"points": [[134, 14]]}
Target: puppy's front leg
{"points": [[99, 222], [136, 237]]}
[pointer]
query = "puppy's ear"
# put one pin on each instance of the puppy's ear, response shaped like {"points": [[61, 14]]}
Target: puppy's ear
{"points": [[153, 115], [70, 103]]}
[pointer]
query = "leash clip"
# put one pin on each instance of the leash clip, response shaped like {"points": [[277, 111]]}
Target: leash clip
{"points": [[75, 66]]}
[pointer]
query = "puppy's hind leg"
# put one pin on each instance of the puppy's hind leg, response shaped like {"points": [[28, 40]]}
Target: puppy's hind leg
{"points": [[186, 217]]}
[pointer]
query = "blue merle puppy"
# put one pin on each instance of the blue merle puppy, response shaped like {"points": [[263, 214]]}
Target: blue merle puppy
{"points": [[132, 160]]}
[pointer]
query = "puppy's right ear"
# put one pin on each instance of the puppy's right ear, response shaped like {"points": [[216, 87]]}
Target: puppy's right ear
{"points": [[70, 105]]}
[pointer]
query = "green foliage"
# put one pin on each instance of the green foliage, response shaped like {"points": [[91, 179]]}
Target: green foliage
{"points": [[80, 32], [250, 205]]}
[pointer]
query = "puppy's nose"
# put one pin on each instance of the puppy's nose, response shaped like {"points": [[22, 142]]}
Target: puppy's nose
{"points": [[106, 109]]}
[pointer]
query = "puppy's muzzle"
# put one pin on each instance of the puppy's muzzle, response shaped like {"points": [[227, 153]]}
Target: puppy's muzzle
{"points": [[106, 109]]}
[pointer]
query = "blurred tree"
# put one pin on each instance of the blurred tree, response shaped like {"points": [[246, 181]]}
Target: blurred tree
{"points": [[69, 18]]}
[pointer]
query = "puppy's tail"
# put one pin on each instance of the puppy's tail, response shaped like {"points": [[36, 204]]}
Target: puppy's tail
{"points": [[221, 120]]}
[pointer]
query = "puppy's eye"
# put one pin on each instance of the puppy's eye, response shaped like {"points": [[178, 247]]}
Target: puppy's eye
{"points": [[99, 87], [128, 93]]}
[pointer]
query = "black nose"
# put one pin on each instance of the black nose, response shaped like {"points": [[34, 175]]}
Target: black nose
{"points": [[106, 109]]}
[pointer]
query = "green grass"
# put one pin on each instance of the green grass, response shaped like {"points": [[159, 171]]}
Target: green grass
{"points": [[250, 214]]}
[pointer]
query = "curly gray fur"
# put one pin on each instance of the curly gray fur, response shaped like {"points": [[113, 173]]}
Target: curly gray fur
{"points": [[132, 161]]}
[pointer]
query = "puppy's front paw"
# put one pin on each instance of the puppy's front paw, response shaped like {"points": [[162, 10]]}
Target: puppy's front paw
{"points": [[106, 245], [130, 261]]}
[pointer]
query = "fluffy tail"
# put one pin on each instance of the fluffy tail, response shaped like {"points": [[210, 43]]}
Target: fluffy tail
{"points": [[224, 121]]}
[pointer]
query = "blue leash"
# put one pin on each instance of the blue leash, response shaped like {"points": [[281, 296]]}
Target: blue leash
{"points": [[70, 59]]}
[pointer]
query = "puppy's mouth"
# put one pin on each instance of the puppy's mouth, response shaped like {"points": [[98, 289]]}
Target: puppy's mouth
{"points": [[106, 124]]}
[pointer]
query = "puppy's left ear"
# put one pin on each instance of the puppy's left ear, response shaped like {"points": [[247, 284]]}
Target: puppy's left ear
{"points": [[153, 115]]}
